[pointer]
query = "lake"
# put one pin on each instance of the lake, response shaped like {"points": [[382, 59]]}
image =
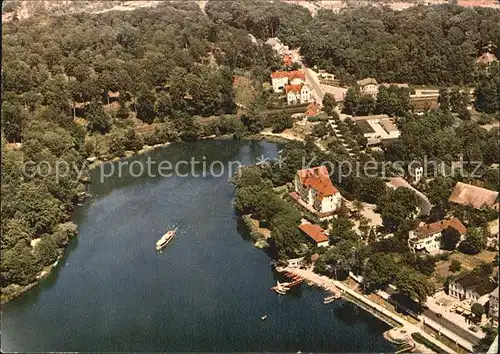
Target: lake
{"points": [[205, 292]]}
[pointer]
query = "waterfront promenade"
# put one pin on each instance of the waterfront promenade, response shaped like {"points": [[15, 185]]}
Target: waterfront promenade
{"points": [[333, 285]]}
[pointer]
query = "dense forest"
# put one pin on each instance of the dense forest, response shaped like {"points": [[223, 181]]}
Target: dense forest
{"points": [[81, 85], [167, 65], [421, 45]]}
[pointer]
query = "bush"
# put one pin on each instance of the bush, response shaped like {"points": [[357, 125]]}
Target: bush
{"points": [[455, 266], [422, 340]]}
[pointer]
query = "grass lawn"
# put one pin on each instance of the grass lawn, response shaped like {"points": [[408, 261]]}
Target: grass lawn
{"points": [[468, 263]]}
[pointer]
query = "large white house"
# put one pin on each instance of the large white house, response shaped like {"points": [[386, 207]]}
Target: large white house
{"points": [[296, 94], [368, 86], [279, 79], [427, 237], [315, 188]]}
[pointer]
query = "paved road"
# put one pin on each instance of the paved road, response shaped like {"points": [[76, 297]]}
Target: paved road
{"points": [[451, 326], [312, 81]]}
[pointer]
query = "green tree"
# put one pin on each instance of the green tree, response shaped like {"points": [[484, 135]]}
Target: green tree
{"points": [[450, 238], [146, 106], [474, 242], [400, 205], [98, 120], [12, 121], [413, 284], [379, 271], [477, 309], [352, 100], [455, 266], [329, 103], [252, 122], [342, 229], [282, 122]]}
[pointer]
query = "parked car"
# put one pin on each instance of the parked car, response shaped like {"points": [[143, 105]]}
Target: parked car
{"points": [[473, 328], [438, 315]]}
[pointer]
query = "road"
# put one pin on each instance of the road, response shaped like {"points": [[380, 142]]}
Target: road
{"points": [[451, 326], [333, 285]]}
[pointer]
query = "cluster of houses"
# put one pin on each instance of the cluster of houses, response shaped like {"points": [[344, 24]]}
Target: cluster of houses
{"points": [[479, 288], [293, 83], [428, 237]]}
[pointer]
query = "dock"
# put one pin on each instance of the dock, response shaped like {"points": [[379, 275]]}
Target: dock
{"points": [[374, 308]]}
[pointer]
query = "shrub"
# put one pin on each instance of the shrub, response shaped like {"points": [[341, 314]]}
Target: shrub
{"points": [[422, 340]]}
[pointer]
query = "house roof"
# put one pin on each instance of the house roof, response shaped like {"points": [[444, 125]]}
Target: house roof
{"points": [[293, 88], [318, 179], [438, 226], [364, 126], [367, 81], [315, 232], [289, 74], [388, 125], [296, 74], [389, 84], [287, 59], [477, 197], [112, 94], [479, 282], [486, 58], [312, 109]]}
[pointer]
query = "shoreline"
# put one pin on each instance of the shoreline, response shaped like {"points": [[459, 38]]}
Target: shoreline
{"points": [[13, 291], [403, 324]]}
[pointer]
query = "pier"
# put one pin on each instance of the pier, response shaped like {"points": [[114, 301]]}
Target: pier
{"points": [[374, 308]]}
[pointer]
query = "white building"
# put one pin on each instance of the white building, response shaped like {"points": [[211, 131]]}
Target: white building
{"points": [[416, 171], [279, 79], [377, 128], [316, 234], [368, 86], [316, 189], [471, 286], [428, 237], [298, 94]]}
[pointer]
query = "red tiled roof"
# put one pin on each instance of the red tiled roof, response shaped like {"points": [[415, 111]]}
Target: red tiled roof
{"points": [[312, 109], [289, 74], [438, 226], [315, 232], [293, 88], [279, 74], [318, 179], [475, 196], [287, 60], [296, 74]]}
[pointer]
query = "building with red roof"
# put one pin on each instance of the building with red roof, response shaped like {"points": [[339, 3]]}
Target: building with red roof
{"points": [[428, 237], [315, 188], [315, 233], [287, 60], [298, 94], [281, 78]]}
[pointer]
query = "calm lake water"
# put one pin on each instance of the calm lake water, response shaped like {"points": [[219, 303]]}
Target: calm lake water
{"points": [[205, 292]]}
